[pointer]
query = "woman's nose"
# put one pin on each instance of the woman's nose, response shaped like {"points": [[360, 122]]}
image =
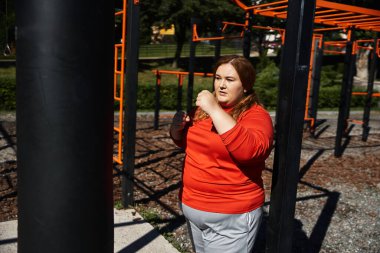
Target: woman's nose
{"points": [[223, 84]]}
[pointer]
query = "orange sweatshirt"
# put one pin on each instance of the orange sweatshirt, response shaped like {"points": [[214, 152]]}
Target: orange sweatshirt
{"points": [[222, 173]]}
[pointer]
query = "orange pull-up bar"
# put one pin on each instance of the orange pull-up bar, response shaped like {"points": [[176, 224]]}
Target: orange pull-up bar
{"points": [[327, 13]]}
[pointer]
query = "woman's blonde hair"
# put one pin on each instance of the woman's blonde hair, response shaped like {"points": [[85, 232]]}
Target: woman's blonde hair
{"points": [[247, 75]]}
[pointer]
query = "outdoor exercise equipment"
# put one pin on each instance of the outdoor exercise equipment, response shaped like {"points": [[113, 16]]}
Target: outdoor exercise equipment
{"points": [[64, 126], [299, 28]]}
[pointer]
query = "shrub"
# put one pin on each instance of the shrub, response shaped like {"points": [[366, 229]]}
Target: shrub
{"points": [[7, 93]]}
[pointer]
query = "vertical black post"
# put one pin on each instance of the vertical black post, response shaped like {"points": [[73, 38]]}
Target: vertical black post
{"points": [[368, 101], [345, 95], [65, 125], [190, 84], [218, 43], [131, 102], [316, 80], [179, 93], [157, 101], [247, 36], [289, 126]]}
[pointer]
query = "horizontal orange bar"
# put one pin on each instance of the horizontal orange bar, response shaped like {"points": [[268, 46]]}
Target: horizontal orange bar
{"points": [[359, 122], [328, 29], [333, 52], [181, 73], [119, 13], [271, 9], [332, 15], [116, 129]]}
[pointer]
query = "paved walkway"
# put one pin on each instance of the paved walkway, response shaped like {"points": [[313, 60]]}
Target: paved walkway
{"points": [[132, 234]]}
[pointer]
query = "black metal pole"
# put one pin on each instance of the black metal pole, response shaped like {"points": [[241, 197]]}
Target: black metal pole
{"points": [[316, 80], [190, 84], [157, 101], [289, 126], [131, 103], [345, 96], [368, 101], [65, 125], [218, 43]]}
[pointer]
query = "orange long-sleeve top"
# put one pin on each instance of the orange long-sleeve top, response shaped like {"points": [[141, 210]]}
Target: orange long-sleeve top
{"points": [[222, 173]]}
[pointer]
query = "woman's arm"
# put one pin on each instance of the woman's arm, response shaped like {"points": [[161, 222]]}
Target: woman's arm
{"points": [[177, 127]]}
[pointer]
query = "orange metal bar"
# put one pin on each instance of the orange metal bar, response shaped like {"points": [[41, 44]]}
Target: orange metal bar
{"points": [[268, 28], [360, 21], [247, 8], [324, 11], [349, 8], [173, 72], [328, 13], [197, 38], [359, 122], [270, 9], [313, 46], [119, 72], [352, 17], [363, 93], [332, 15], [328, 29], [332, 52]]}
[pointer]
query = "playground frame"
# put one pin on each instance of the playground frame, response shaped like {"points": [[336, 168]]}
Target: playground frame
{"points": [[72, 132]]}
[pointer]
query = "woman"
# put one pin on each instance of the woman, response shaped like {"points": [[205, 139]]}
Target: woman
{"points": [[226, 139]]}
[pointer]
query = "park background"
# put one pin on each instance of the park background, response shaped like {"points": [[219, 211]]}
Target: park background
{"points": [[171, 53]]}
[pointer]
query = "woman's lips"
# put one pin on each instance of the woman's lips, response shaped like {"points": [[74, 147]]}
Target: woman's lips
{"points": [[222, 93]]}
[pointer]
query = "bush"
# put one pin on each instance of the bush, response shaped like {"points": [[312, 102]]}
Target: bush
{"points": [[168, 96], [7, 93], [266, 85]]}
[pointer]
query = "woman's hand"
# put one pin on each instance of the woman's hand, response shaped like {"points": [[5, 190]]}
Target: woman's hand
{"points": [[179, 122], [207, 101]]}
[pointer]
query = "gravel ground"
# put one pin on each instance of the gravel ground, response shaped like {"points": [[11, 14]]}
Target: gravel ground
{"points": [[338, 203]]}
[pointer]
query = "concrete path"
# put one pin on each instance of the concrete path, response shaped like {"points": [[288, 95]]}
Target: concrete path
{"points": [[132, 234]]}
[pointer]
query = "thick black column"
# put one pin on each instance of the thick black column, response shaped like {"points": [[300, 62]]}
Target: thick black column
{"points": [[345, 96], [131, 79], [368, 101], [289, 124], [65, 125]]}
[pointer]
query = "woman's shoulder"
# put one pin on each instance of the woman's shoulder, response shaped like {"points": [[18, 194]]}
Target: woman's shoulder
{"points": [[256, 109]]}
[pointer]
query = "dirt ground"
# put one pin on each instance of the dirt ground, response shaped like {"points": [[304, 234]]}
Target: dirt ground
{"points": [[338, 199]]}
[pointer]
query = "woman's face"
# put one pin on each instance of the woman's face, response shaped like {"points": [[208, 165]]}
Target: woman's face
{"points": [[228, 87]]}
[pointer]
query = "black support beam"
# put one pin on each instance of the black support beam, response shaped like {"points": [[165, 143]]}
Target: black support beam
{"points": [[65, 125], [131, 80], [368, 101], [289, 124], [345, 96]]}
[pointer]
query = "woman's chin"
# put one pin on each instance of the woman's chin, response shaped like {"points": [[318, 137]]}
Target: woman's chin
{"points": [[225, 104]]}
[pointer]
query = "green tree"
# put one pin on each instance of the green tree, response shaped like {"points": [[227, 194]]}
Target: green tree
{"points": [[180, 12], [7, 24]]}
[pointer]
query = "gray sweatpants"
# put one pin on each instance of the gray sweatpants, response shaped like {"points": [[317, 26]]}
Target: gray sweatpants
{"points": [[226, 233]]}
